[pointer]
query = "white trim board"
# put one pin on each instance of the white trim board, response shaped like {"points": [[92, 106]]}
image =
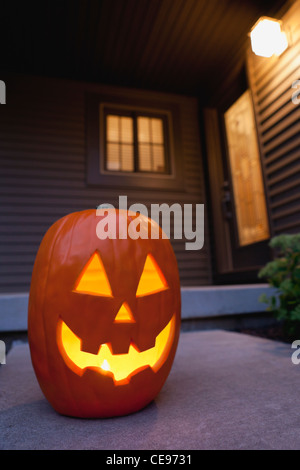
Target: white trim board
{"points": [[215, 301]]}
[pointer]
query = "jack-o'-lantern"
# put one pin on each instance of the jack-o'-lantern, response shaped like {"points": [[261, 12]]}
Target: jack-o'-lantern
{"points": [[104, 316]]}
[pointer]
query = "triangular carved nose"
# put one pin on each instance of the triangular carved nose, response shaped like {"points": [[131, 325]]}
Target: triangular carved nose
{"points": [[124, 315]]}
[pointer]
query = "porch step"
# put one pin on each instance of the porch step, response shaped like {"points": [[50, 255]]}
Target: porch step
{"points": [[215, 301], [197, 303]]}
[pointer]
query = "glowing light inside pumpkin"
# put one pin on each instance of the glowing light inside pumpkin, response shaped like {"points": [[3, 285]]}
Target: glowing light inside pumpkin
{"points": [[121, 366], [152, 279], [105, 365], [93, 279]]}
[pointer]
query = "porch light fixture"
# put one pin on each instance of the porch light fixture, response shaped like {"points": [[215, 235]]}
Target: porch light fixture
{"points": [[267, 38]]}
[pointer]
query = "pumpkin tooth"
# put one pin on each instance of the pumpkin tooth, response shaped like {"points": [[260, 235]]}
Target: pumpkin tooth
{"points": [[121, 348]]}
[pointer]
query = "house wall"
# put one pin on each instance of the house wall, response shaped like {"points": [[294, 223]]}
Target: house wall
{"points": [[43, 172], [278, 123]]}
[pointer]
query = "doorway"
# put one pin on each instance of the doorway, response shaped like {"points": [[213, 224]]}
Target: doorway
{"points": [[239, 212]]}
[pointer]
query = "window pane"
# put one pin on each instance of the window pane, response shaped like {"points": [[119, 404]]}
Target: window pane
{"points": [[151, 148], [145, 157], [143, 129], [112, 162], [157, 131], [126, 130], [121, 143], [127, 163], [248, 188], [112, 123], [158, 158]]}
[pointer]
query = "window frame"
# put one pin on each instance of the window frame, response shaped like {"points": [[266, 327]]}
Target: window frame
{"points": [[97, 175], [134, 113]]}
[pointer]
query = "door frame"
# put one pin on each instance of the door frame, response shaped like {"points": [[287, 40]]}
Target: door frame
{"points": [[224, 240]]}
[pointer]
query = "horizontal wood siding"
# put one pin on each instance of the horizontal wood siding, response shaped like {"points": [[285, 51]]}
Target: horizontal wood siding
{"points": [[43, 172], [278, 120]]}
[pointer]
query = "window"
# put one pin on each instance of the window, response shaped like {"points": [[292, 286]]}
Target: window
{"points": [[134, 144], [248, 187]]}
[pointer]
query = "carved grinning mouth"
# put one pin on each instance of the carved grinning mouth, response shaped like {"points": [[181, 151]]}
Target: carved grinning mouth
{"points": [[120, 367]]}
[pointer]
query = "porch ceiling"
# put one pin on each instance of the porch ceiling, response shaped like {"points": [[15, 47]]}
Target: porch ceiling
{"points": [[182, 46]]}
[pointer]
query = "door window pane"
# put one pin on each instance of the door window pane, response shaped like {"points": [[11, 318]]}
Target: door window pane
{"points": [[246, 172]]}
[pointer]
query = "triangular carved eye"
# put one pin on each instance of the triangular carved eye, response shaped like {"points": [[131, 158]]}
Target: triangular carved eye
{"points": [[93, 279], [152, 279]]}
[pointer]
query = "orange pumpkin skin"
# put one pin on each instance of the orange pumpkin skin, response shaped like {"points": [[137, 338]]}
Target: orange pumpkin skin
{"points": [[64, 252]]}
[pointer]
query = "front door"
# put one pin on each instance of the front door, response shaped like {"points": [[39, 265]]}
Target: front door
{"points": [[242, 227]]}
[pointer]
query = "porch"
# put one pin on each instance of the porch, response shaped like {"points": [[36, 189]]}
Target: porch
{"points": [[69, 67], [225, 391]]}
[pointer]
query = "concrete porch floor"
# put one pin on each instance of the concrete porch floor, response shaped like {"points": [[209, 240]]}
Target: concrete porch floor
{"points": [[225, 391]]}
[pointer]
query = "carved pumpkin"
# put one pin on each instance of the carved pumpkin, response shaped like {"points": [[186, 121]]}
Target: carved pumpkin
{"points": [[104, 316]]}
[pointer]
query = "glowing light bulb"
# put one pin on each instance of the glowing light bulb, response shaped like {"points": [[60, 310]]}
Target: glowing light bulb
{"points": [[267, 38]]}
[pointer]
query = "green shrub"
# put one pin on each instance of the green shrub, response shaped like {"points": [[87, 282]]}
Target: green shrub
{"points": [[283, 273]]}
